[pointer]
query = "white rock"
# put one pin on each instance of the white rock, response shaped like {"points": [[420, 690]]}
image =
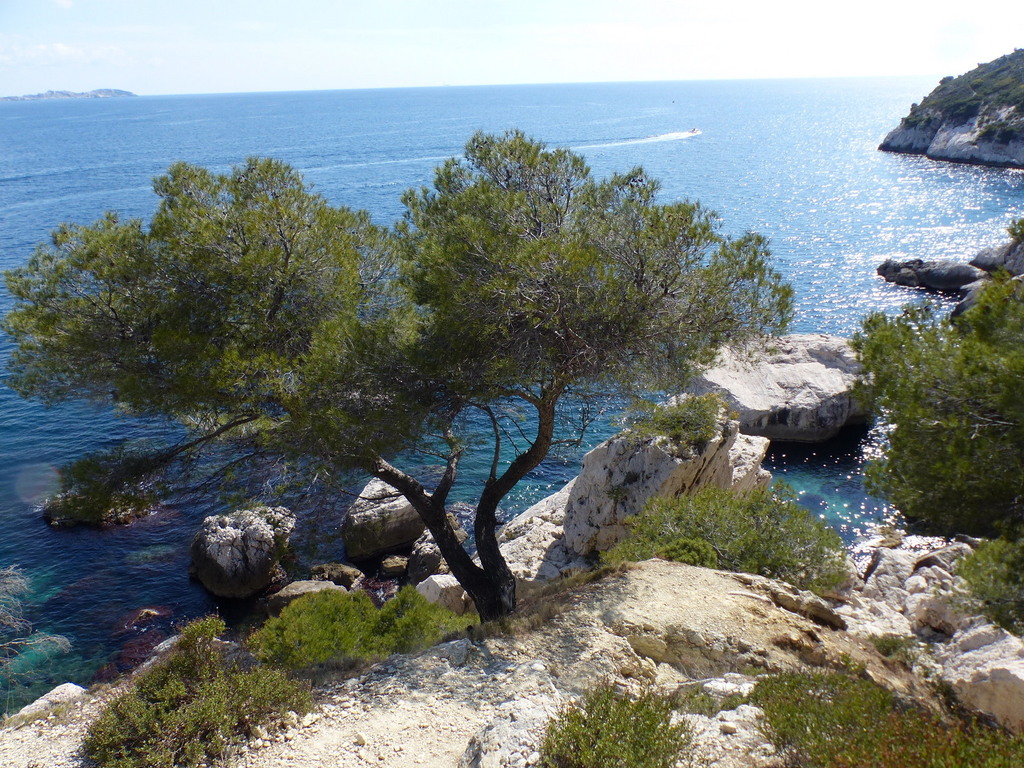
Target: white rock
{"points": [[511, 739], [873, 618], [445, 590], [799, 389], [62, 694], [621, 474], [746, 456], [887, 576], [235, 555], [533, 543], [985, 667]]}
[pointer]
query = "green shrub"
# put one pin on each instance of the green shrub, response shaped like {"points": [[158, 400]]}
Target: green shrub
{"points": [[764, 532], [834, 721], [332, 625], [189, 707], [899, 647], [1016, 230], [688, 424], [690, 551], [996, 587], [606, 729]]}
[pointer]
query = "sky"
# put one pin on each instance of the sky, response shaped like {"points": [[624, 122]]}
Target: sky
{"points": [[225, 46]]}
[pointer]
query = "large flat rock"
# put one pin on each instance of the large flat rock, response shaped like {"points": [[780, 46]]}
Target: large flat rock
{"points": [[798, 388]]}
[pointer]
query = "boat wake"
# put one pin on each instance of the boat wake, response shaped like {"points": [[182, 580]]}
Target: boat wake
{"points": [[674, 136]]}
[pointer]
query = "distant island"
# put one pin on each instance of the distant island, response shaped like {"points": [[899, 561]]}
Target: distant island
{"points": [[99, 93], [975, 118]]}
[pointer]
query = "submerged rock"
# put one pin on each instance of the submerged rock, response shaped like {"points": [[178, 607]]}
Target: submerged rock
{"points": [[340, 573]]}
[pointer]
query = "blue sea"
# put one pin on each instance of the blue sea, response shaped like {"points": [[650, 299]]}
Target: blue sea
{"points": [[793, 159]]}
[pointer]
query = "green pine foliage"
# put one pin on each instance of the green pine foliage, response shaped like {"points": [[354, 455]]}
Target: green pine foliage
{"points": [[836, 721], [764, 532], [1016, 230], [607, 728], [191, 706], [690, 551], [261, 322], [333, 626], [948, 393], [993, 573]]}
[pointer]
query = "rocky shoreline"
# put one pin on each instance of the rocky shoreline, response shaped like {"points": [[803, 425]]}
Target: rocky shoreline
{"points": [[977, 118], [484, 701]]}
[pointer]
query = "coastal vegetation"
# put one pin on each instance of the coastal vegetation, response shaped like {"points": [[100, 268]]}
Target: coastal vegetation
{"points": [[838, 720], [764, 532], [955, 421], [950, 400], [192, 706], [995, 84], [607, 727], [340, 627], [267, 323], [977, 117]]}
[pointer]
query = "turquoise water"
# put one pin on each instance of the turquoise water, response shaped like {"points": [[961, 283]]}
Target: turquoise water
{"points": [[795, 160]]}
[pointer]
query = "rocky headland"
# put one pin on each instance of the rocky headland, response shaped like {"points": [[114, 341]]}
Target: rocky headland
{"points": [[99, 93], [975, 118]]}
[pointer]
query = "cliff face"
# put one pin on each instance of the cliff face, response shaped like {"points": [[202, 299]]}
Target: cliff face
{"points": [[975, 118]]}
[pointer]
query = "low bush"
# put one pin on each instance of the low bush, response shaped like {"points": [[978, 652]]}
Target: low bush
{"points": [[689, 423], [996, 588], [690, 551], [335, 626], [607, 729], [191, 706], [763, 532], [901, 648], [835, 721], [1016, 230]]}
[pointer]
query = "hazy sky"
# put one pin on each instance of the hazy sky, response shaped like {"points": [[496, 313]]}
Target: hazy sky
{"points": [[215, 46]]}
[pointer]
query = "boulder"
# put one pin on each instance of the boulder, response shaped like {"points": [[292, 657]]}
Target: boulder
{"points": [[887, 574], [939, 275], [236, 555], [622, 473], [339, 573], [296, 589], [1008, 257], [446, 591], [746, 455], [985, 667], [533, 543], [379, 522], [62, 694], [798, 389], [426, 559], [393, 566]]}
